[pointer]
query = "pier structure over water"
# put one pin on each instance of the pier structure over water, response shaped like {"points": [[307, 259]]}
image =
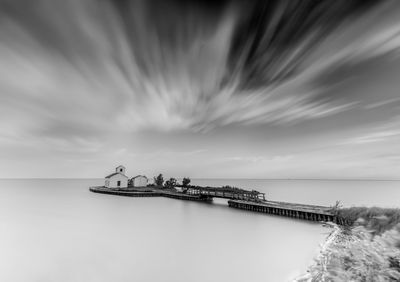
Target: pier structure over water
{"points": [[225, 192], [299, 211], [237, 198]]}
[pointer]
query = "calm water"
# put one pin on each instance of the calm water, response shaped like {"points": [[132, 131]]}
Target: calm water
{"points": [[56, 230]]}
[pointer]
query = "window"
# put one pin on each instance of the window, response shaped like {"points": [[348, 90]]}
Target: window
{"points": [[120, 169], [118, 183]]}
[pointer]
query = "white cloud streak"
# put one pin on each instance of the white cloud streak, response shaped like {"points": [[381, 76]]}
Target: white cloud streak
{"points": [[387, 132], [100, 89]]}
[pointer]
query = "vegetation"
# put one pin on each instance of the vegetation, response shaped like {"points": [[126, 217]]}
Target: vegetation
{"points": [[228, 187], [185, 181], [361, 256], [367, 249], [376, 220], [159, 180], [336, 207], [170, 184]]}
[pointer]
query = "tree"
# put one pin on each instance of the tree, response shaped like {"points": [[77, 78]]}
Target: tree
{"points": [[171, 183], [159, 180], [185, 181]]}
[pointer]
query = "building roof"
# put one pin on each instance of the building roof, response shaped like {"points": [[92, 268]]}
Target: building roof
{"points": [[115, 173], [139, 176]]}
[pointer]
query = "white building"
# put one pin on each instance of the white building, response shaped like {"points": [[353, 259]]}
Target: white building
{"points": [[118, 179], [139, 181]]}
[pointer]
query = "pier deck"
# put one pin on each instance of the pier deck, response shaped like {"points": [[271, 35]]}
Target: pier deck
{"points": [[225, 192], [300, 211], [124, 192], [149, 193]]}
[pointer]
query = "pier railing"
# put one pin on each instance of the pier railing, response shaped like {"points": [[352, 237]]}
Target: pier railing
{"points": [[225, 192]]}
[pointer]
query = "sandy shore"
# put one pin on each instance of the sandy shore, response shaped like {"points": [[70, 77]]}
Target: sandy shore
{"points": [[323, 256]]}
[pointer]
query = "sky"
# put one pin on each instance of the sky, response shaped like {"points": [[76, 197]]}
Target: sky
{"points": [[204, 89]]}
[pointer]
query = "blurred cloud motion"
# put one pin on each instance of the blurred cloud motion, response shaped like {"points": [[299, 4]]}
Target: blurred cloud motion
{"points": [[90, 78]]}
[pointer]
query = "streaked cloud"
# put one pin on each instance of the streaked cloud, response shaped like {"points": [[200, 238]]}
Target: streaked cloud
{"points": [[388, 131], [382, 103], [181, 88], [87, 78], [374, 137]]}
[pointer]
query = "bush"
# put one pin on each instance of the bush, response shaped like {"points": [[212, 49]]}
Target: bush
{"points": [[185, 181], [159, 180], [171, 183]]}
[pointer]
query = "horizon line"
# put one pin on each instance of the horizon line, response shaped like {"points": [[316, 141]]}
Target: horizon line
{"points": [[216, 178]]}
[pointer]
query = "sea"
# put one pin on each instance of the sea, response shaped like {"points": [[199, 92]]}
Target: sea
{"points": [[57, 230]]}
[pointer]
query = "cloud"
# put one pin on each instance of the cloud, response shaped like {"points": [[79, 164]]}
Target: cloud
{"points": [[260, 159], [389, 131], [374, 137], [92, 71], [382, 103]]}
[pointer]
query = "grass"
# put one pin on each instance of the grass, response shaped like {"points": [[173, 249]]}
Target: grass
{"points": [[376, 220], [367, 249]]}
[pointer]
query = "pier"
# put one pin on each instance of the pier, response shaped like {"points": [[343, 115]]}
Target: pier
{"points": [[124, 192], [237, 198], [149, 193], [306, 212], [225, 192]]}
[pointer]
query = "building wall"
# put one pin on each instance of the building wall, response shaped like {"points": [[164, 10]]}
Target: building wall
{"points": [[139, 181], [113, 181], [120, 169]]}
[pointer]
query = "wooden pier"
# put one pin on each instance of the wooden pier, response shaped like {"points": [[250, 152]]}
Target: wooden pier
{"points": [[225, 192], [237, 198], [307, 212], [123, 192], [149, 193]]}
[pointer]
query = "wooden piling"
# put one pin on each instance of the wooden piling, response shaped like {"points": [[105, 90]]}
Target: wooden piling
{"points": [[305, 212]]}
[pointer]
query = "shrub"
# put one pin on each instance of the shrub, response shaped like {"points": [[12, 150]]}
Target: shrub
{"points": [[171, 183], [159, 180], [185, 181]]}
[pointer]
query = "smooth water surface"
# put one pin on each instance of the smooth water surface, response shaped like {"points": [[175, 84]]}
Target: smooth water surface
{"points": [[56, 230]]}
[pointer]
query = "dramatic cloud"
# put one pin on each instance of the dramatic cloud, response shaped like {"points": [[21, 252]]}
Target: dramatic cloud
{"points": [[77, 76]]}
